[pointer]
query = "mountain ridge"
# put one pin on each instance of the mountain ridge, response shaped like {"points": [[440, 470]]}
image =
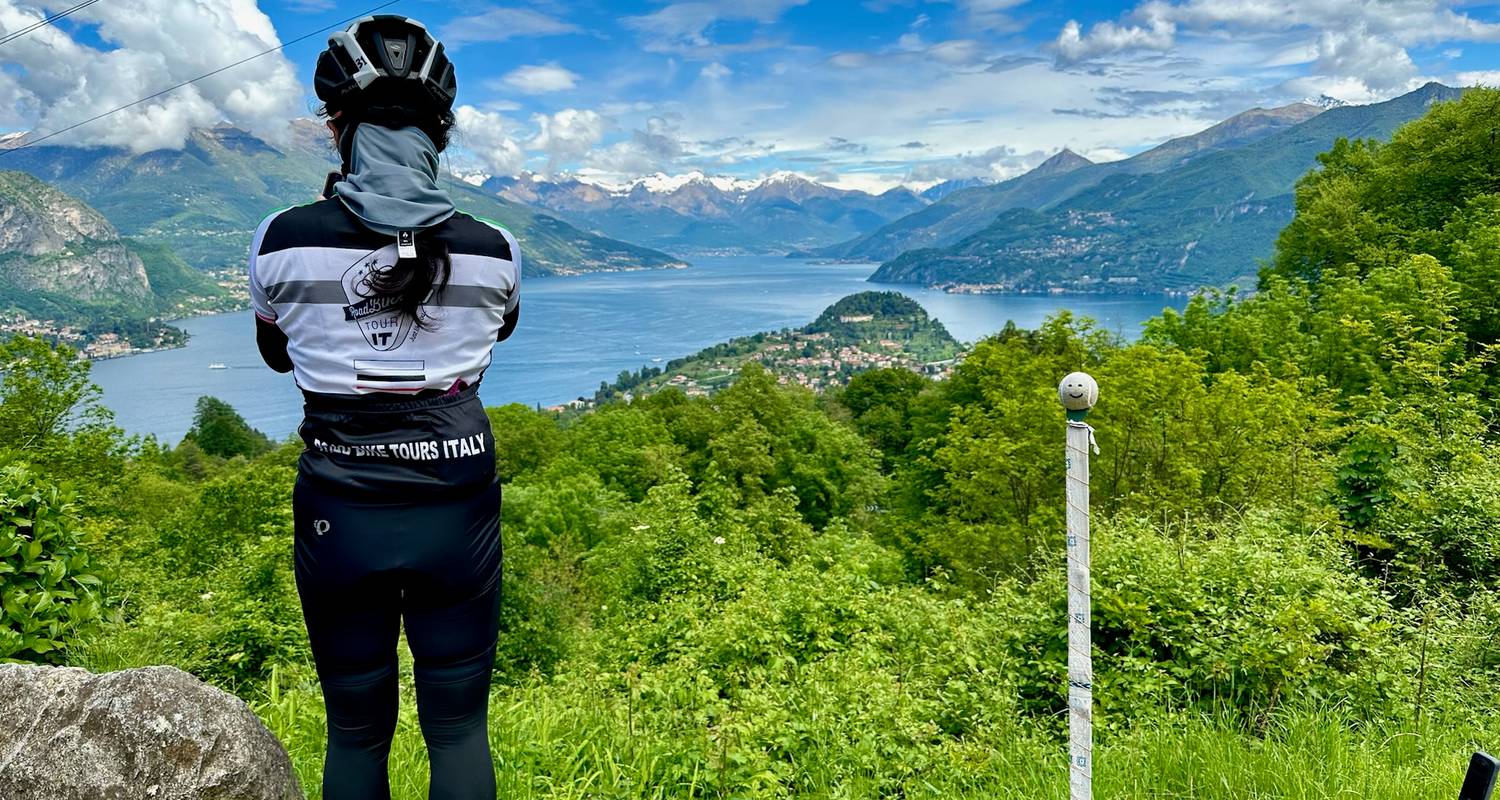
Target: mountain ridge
{"points": [[967, 211], [205, 200], [697, 213], [1204, 222]]}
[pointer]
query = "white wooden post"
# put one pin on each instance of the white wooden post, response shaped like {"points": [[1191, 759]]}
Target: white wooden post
{"points": [[1078, 393]]}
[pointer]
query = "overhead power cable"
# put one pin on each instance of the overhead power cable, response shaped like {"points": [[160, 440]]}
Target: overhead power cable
{"points": [[45, 21], [175, 87]]}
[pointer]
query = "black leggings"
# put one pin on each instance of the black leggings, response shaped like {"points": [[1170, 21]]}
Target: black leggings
{"points": [[363, 567]]}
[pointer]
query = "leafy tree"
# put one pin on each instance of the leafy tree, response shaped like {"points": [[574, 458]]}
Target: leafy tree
{"points": [[525, 440], [995, 462], [1182, 443], [631, 451], [1430, 191], [769, 438], [880, 402], [50, 414], [219, 430]]}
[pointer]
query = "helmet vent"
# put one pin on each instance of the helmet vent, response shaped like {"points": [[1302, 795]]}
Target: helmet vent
{"points": [[397, 53]]}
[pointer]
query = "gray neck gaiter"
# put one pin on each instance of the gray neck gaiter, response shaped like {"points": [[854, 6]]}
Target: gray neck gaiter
{"points": [[392, 181]]}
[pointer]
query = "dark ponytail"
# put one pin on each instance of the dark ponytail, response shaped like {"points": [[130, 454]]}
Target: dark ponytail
{"points": [[413, 281]]}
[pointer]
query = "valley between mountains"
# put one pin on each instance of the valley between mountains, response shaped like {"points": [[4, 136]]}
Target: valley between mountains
{"points": [[101, 245]]}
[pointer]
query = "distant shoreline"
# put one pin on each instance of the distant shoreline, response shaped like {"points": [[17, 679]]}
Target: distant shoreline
{"points": [[969, 289], [188, 336]]}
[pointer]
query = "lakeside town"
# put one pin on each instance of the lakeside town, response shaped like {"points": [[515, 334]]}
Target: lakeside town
{"points": [[115, 339], [93, 345], [871, 330]]}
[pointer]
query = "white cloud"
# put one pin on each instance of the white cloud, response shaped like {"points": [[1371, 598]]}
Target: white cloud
{"points": [[567, 135], [1488, 77], [1379, 63], [656, 147], [716, 72], [500, 24], [61, 81], [869, 182], [991, 14], [1301, 52], [686, 26], [1105, 38], [1104, 155], [850, 59], [956, 51], [953, 52], [541, 78], [1355, 50], [1154, 25], [1409, 21], [488, 136], [996, 163]]}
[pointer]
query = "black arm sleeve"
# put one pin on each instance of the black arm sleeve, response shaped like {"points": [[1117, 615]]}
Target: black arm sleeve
{"points": [[272, 343], [510, 323]]}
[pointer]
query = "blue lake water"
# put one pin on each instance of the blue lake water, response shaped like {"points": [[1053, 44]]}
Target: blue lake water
{"points": [[576, 332]]}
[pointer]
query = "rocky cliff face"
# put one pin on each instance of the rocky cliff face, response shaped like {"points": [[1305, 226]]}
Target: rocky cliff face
{"points": [[50, 242]]}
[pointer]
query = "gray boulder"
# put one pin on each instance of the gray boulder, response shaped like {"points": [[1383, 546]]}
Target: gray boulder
{"points": [[143, 734]]}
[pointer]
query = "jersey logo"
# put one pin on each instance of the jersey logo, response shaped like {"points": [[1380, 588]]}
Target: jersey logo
{"points": [[384, 327]]}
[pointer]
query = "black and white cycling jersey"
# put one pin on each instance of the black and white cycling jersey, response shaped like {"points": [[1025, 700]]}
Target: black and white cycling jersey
{"points": [[307, 266]]}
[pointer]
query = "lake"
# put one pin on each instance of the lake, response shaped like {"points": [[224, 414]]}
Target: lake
{"points": [[577, 332]]}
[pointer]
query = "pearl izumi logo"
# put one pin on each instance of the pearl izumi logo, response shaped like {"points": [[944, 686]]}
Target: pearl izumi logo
{"points": [[321, 526], [383, 325]]}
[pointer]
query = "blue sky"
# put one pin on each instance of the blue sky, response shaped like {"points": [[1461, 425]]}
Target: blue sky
{"points": [[866, 93]]}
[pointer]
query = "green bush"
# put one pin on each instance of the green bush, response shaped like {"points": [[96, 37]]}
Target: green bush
{"points": [[48, 588], [1245, 615]]}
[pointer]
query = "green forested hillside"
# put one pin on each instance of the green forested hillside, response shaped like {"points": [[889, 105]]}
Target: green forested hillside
{"points": [[864, 331], [965, 212], [1206, 223], [775, 593], [205, 200]]}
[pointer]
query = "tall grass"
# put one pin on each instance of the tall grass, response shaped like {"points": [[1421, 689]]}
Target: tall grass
{"points": [[557, 740], [561, 743]]}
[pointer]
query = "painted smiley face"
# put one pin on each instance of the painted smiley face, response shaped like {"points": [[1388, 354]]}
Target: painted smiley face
{"points": [[1078, 392]]}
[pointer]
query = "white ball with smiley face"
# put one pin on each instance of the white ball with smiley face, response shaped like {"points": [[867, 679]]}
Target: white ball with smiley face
{"points": [[1078, 392]]}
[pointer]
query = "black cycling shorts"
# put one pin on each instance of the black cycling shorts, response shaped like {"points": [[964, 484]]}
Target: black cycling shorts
{"points": [[385, 534]]}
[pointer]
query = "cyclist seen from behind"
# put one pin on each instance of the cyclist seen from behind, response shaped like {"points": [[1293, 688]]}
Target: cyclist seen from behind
{"points": [[384, 302]]}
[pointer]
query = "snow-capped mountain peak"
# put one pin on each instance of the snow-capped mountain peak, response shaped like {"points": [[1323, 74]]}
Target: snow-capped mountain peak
{"points": [[475, 178], [783, 176], [661, 183], [1325, 102]]}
